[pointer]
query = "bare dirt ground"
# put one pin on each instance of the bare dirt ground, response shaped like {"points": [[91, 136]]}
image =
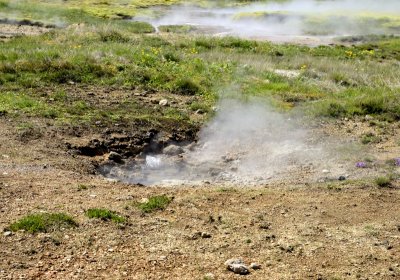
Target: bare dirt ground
{"points": [[347, 230], [8, 31]]}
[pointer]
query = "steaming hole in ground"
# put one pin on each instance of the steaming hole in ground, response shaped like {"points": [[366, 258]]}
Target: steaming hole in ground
{"points": [[310, 22], [246, 143]]}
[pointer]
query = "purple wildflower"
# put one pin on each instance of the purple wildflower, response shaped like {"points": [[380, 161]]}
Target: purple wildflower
{"points": [[361, 164], [397, 161]]}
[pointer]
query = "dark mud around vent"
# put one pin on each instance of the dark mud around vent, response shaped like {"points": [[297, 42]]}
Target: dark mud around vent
{"points": [[246, 143]]}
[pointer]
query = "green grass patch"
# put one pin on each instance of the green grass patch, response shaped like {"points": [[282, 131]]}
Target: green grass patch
{"points": [[177, 28], [45, 222], [384, 181], [370, 138], [333, 81], [105, 215], [155, 203]]}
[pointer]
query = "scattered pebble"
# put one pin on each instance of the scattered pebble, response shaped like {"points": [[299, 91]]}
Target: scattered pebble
{"points": [[7, 233], [255, 266], [205, 235], [239, 269], [342, 178], [163, 102], [325, 171]]}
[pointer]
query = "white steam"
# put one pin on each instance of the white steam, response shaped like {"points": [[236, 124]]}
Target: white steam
{"points": [[277, 21], [246, 143]]}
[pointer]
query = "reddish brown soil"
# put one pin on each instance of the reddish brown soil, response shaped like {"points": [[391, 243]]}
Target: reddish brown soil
{"points": [[348, 230]]}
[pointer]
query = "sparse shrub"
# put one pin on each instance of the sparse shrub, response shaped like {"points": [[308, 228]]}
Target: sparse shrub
{"points": [[78, 108], [139, 27], [373, 104], [236, 43], [340, 78], [176, 28], [113, 36], [63, 76], [82, 187], [44, 222], [370, 138], [335, 110], [383, 181], [187, 87], [155, 42], [199, 106], [105, 215], [155, 203], [172, 57], [205, 43]]}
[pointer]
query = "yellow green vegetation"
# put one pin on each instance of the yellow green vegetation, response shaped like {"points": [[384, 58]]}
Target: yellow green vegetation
{"points": [[260, 15], [44, 222], [155, 203], [105, 215], [98, 8], [365, 23], [36, 72]]}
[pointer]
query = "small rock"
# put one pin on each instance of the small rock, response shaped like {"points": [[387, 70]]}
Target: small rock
{"points": [[163, 102], [7, 233], [239, 269], [237, 266], [265, 226], [195, 236], [255, 266], [173, 150], [205, 235], [199, 112], [342, 178], [113, 156], [325, 171]]}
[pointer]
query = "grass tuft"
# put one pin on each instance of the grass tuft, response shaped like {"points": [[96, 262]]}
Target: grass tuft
{"points": [[187, 87], [155, 203], [44, 222], [370, 138], [384, 181], [105, 215]]}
